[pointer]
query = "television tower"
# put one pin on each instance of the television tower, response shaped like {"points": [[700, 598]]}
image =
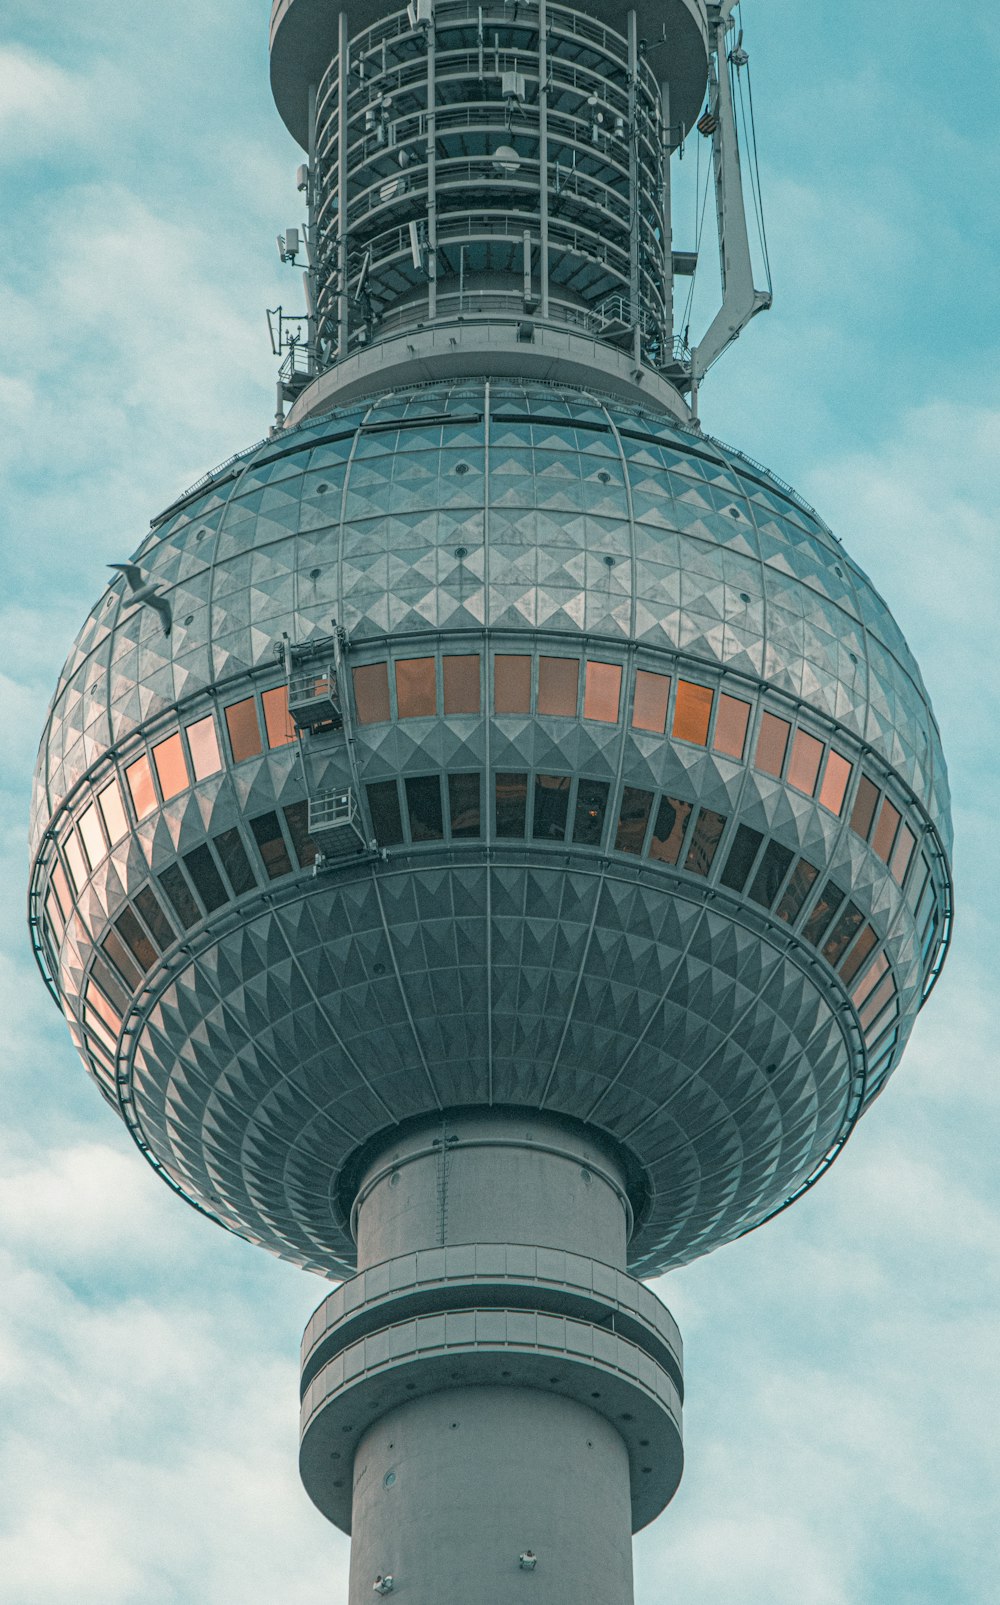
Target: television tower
{"points": [[490, 842]]}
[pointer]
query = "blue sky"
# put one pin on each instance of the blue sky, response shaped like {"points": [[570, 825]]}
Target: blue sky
{"points": [[843, 1362]]}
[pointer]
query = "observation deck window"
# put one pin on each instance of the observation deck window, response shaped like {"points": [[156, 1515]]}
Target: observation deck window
{"points": [[465, 806], [649, 704], [633, 818], [558, 686], [207, 881], [60, 886], [244, 730], [803, 766], [826, 906], [92, 835], [297, 825], [836, 779], [75, 861], [271, 845], [179, 895], [602, 692], [371, 693], [902, 854], [159, 926], [692, 712], [233, 857], [844, 931], [139, 778], [383, 805], [800, 884], [423, 804], [551, 807], [278, 722], [590, 812], [203, 745], [416, 689], [171, 769], [772, 743], [705, 840], [511, 805], [885, 831], [863, 811], [739, 862], [669, 830], [461, 683], [857, 955], [512, 683], [136, 940], [731, 726], [114, 949], [113, 812], [774, 866]]}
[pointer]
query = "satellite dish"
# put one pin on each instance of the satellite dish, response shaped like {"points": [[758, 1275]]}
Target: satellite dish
{"points": [[506, 159], [391, 187]]}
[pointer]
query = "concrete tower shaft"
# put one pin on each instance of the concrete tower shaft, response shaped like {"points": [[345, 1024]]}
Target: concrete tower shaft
{"points": [[492, 1393]]}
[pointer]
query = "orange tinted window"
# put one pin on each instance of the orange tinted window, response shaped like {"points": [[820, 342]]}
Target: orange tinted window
{"points": [[60, 885], [558, 679], [140, 785], [803, 766], [203, 746], [731, 726], [863, 811], [371, 693], [874, 973], [416, 688], [836, 778], [171, 769], [277, 719], [93, 835], [54, 914], [113, 810], [100, 1004], [512, 684], [692, 712], [885, 830], [902, 854], [244, 731], [857, 955], [602, 692], [461, 684], [771, 744], [649, 710]]}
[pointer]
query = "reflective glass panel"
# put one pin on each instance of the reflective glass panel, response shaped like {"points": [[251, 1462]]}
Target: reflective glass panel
{"points": [[235, 861], [708, 828], [856, 957], [278, 722], [771, 744], [54, 913], [464, 806], [692, 712], [512, 684], [179, 895], [731, 726], [668, 831], [92, 834], [863, 811], [602, 692], [271, 845], [741, 856], [135, 939], [201, 867], [905, 843], [60, 885], [589, 814], [140, 784], [371, 693], [551, 807], [845, 929], [649, 708], [387, 821], [416, 688], [203, 745], [828, 902], [803, 766], [99, 1003], [171, 768], [877, 1001], [632, 819], [461, 683], [423, 803], [113, 811], [885, 831], [836, 779], [152, 913], [75, 859], [244, 731], [794, 896], [297, 822], [771, 873], [110, 983], [116, 951], [558, 680], [512, 804]]}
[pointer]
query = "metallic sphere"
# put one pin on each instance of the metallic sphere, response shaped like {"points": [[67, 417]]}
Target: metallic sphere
{"points": [[610, 789]]}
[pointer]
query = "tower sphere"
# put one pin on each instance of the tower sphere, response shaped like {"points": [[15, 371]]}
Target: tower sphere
{"points": [[610, 790]]}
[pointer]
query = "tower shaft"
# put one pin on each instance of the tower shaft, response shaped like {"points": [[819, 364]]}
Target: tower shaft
{"points": [[492, 1395]]}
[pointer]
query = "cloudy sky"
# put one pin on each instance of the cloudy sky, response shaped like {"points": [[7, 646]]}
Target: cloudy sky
{"points": [[842, 1363]]}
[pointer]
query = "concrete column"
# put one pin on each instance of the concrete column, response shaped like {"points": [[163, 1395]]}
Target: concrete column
{"points": [[491, 1407]]}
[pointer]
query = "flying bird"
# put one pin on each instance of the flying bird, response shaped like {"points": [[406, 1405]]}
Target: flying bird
{"points": [[145, 591]]}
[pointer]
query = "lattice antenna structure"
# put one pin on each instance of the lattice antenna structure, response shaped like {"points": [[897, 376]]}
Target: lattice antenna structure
{"points": [[491, 843]]}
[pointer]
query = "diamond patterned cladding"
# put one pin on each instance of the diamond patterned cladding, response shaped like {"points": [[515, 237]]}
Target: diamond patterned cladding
{"points": [[289, 1041], [278, 1049]]}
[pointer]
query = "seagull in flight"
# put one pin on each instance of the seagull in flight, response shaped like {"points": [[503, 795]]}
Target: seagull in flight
{"points": [[145, 591]]}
